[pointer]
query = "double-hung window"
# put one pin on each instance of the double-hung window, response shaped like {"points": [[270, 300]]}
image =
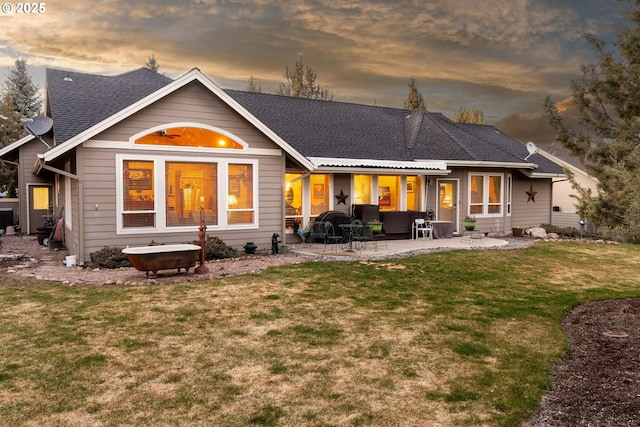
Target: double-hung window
{"points": [[486, 194]]}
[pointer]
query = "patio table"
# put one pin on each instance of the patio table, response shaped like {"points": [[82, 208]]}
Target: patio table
{"points": [[348, 231], [442, 229]]}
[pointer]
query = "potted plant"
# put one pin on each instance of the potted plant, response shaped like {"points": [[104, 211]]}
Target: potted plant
{"points": [[376, 226], [517, 231], [469, 223]]}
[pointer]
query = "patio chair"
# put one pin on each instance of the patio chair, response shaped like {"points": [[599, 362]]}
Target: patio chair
{"points": [[379, 236], [318, 232], [421, 227], [331, 236]]}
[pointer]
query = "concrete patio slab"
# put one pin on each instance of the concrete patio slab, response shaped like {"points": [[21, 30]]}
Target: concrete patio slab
{"points": [[387, 248]]}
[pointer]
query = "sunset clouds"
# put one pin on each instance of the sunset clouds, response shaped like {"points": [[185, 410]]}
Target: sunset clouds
{"points": [[504, 56]]}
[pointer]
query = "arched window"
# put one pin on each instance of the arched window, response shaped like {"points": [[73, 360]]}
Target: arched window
{"points": [[189, 136]]}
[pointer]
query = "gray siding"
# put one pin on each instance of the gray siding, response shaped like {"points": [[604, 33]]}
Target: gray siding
{"points": [[193, 103], [100, 223], [530, 214]]}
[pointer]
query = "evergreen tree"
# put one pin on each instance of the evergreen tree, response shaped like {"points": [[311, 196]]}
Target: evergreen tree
{"points": [[466, 115], [607, 135], [252, 86], [301, 83], [11, 128], [24, 93], [414, 100], [152, 64]]}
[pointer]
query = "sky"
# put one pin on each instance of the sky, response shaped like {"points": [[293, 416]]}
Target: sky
{"points": [[501, 56]]}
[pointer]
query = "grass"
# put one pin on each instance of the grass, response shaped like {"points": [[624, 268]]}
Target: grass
{"points": [[448, 339]]}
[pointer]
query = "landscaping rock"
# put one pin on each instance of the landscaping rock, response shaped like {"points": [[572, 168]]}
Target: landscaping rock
{"points": [[537, 233]]}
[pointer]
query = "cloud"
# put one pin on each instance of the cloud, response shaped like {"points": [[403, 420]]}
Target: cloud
{"points": [[364, 50]]}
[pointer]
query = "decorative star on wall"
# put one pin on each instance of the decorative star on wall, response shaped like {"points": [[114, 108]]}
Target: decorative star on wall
{"points": [[531, 194], [342, 198]]}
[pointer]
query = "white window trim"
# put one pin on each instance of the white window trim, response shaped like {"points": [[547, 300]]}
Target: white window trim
{"points": [[509, 194], [160, 193], [485, 202], [68, 220]]}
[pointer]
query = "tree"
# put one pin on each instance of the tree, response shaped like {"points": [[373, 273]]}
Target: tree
{"points": [[24, 93], [11, 128], [152, 64], [414, 100], [252, 86], [606, 135], [469, 115], [301, 83]]}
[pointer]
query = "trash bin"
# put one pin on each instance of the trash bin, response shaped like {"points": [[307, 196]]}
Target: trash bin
{"points": [[6, 218]]}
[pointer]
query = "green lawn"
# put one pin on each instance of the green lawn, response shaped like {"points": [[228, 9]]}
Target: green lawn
{"points": [[452, 338]]}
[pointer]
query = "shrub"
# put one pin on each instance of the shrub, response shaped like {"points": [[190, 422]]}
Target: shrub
{"points": [[572, 232], [217, 249], [109, 257]]}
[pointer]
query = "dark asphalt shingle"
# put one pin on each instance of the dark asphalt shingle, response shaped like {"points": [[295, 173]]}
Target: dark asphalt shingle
{"points": [[86, 99], [312, 127]]}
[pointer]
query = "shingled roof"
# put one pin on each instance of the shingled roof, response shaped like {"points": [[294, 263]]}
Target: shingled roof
{"points": [[77, 101], [353, 131], [330, 129], [314, 128]]}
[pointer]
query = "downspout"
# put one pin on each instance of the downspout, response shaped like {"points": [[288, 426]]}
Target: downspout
{"points": [[41, 165]]}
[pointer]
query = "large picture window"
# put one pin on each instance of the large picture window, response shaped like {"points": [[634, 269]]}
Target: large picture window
{"points": [[414, 193], [485, 194], [319, 193], [389, 192], [362, 189], [165, 194], [190, 186]]}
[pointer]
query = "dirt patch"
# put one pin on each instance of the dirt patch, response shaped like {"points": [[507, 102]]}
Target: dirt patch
{"points": [[597, 383]]}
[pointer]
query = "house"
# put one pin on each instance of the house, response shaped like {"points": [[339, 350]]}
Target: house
{"points": [[564, 213], [139, 157]]}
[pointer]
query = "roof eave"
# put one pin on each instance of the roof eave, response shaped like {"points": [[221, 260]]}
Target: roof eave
{"points": [[15, 145], [383, 171], [341, 163], [533, 174], [193, 75], [488, 164]]}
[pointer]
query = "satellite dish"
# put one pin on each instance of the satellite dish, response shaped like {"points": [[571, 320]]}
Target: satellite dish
{"points": [[38, 126], [532, 149]]}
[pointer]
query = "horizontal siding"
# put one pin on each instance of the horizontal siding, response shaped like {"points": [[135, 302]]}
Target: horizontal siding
{"points": [[565, 219], [97, 167], [531, 214], [563, 192]]}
